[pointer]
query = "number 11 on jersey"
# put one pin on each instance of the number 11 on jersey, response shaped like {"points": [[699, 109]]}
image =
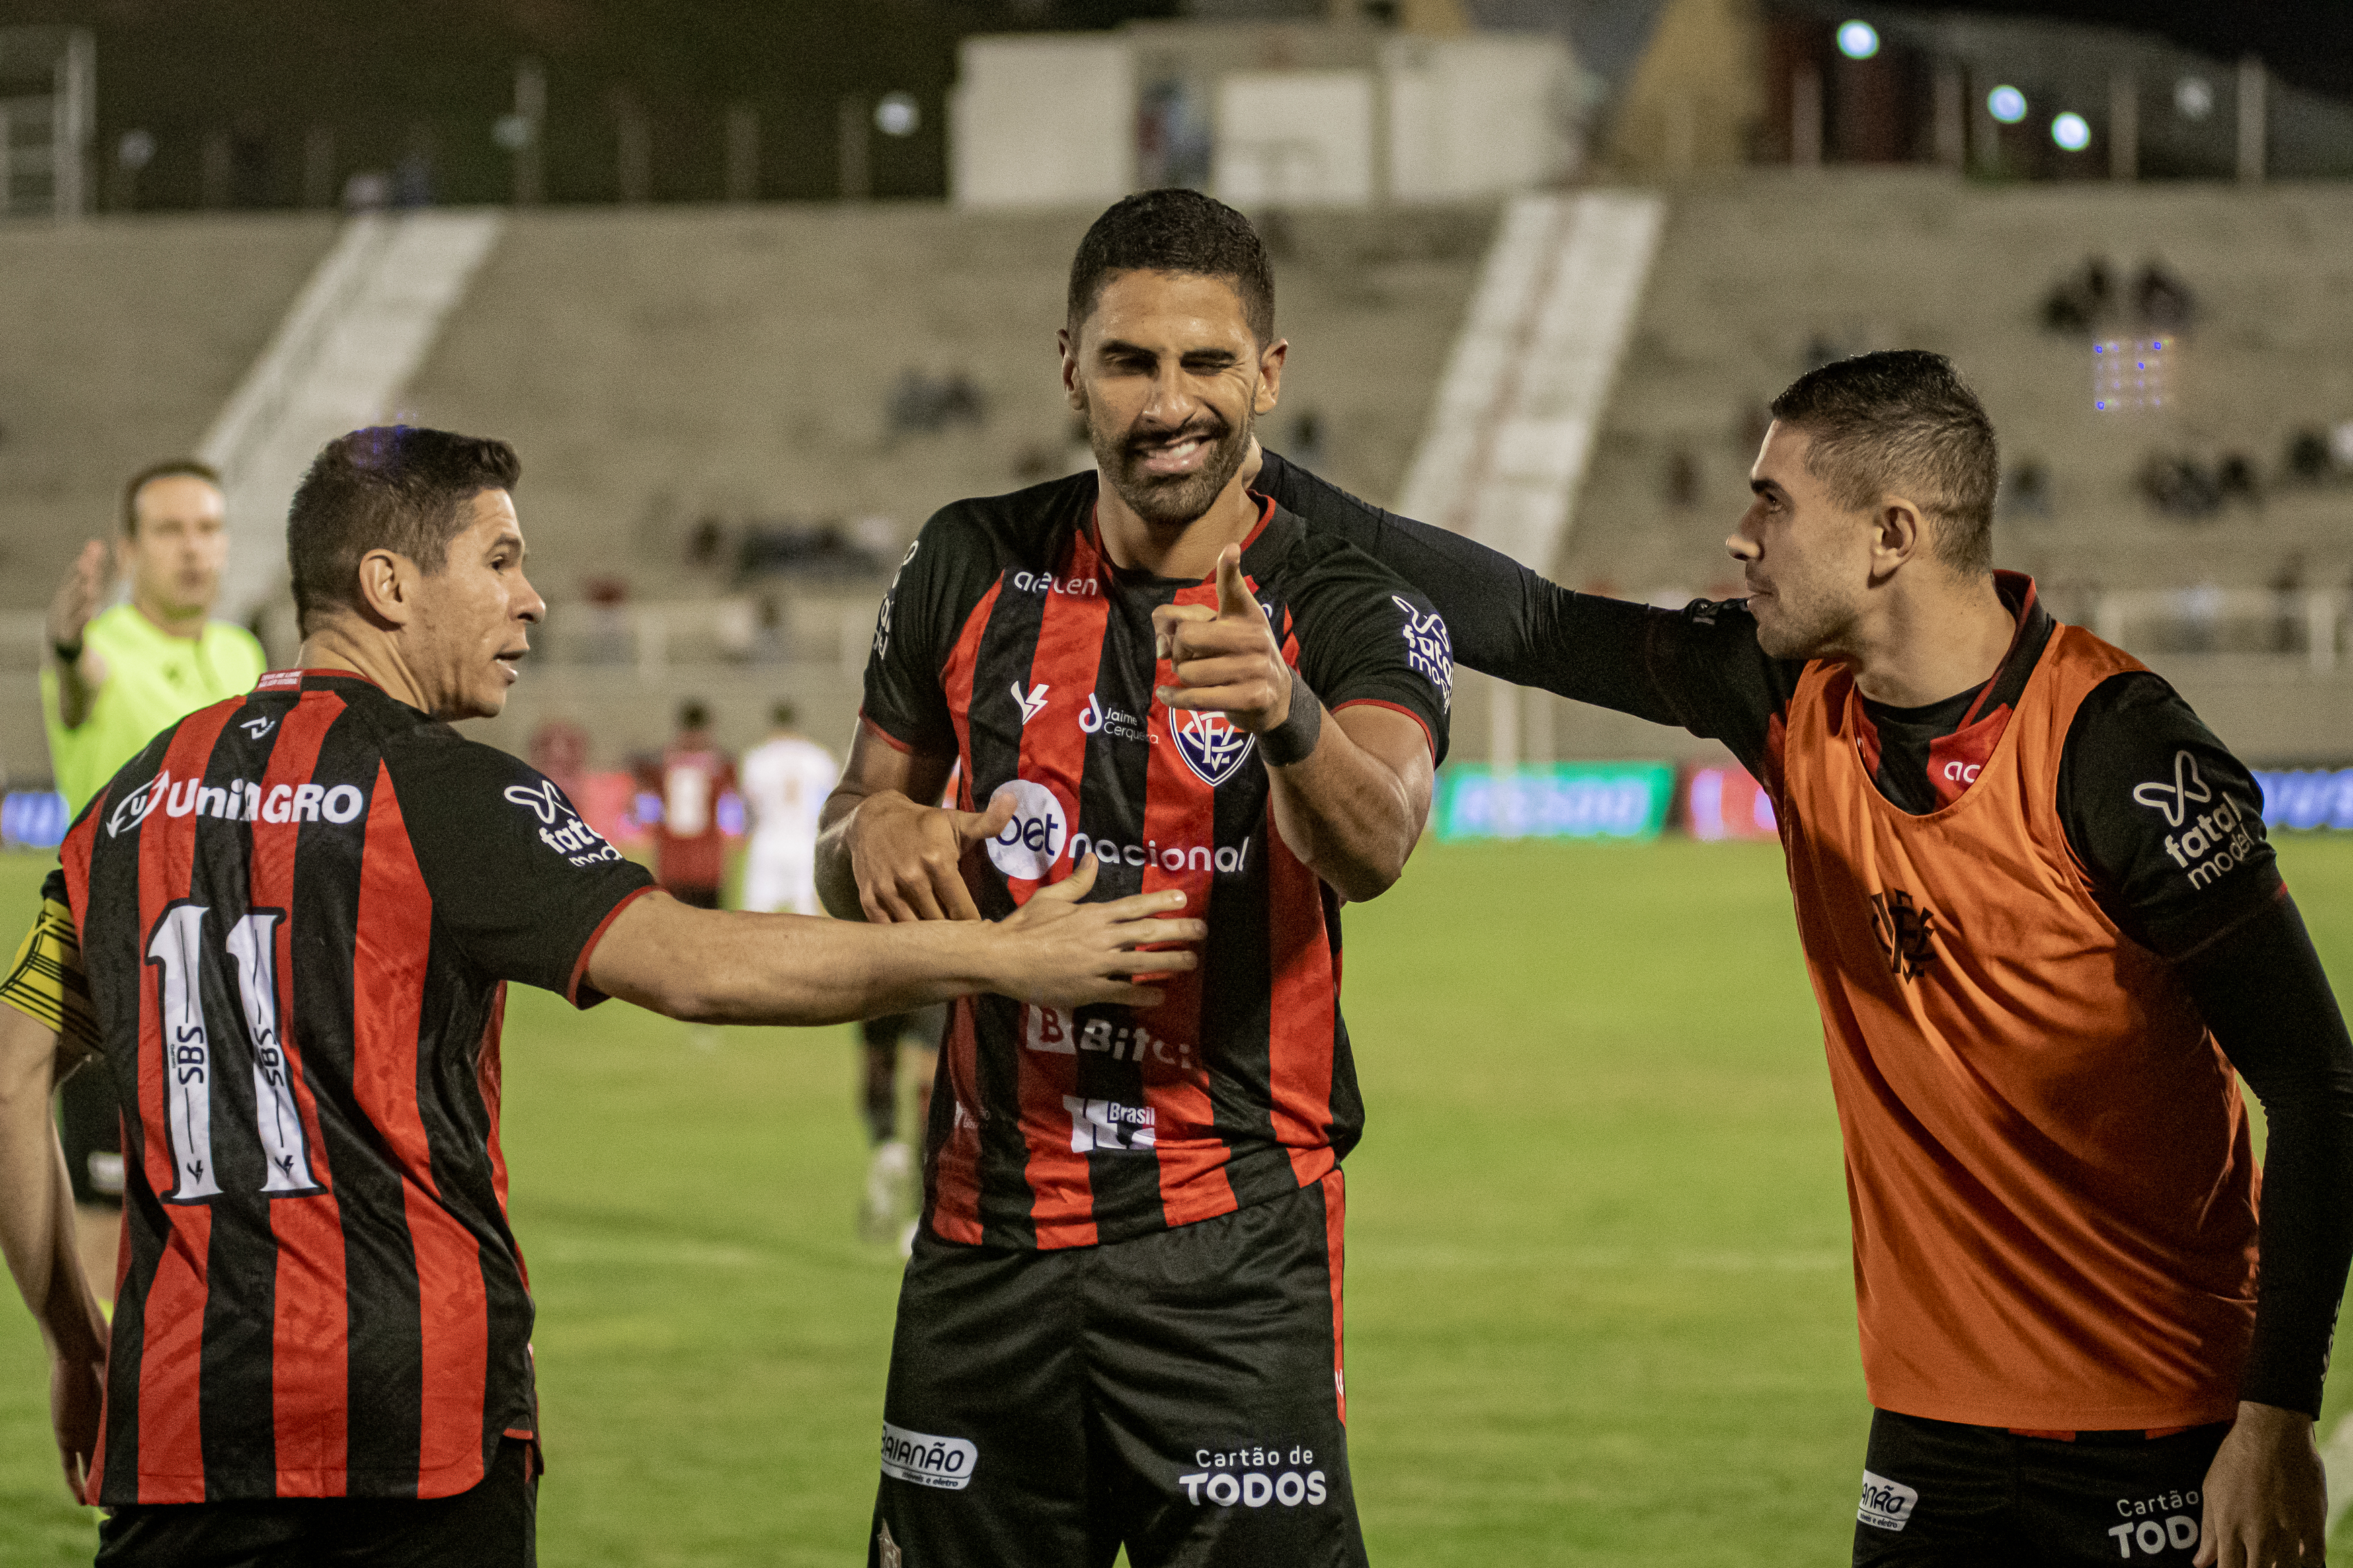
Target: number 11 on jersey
{"points": [[189, 1062]]}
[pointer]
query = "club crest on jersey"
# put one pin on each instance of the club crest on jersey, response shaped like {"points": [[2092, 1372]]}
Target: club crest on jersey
{"points": [[1210, 744], [1907, 932]]}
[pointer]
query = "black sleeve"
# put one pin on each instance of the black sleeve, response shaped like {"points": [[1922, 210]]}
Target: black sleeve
{"points": [[520, 883], [2263, 994], [942, 577], [1699, 668], [1365, 636], [2166, 821]]}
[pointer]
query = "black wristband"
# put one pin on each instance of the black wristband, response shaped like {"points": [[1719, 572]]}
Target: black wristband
{"points": [[65, 654], [1292, 741]]}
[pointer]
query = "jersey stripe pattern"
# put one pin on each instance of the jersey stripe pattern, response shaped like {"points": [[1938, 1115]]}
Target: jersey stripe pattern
{"points": [[319, 1295], [1072, 1130]]}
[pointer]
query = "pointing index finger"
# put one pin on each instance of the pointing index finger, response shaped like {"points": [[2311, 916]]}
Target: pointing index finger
{"points": [[1234, 598]]}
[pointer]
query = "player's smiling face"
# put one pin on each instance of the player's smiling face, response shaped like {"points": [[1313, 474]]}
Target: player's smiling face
{"points": [[1806, 558], [1170, 378], [475, 614]]}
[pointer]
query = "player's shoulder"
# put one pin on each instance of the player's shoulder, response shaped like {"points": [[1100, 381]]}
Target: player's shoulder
{"points": [[226, 637], [1019, 525], [1314, 561]]}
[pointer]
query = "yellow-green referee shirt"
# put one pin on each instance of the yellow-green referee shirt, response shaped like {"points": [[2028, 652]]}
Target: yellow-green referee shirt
{"points": [[152, 680]]}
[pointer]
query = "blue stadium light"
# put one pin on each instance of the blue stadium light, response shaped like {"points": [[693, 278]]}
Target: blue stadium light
{"points": [[1858, 40], [2006, 104], [2071, 131]]}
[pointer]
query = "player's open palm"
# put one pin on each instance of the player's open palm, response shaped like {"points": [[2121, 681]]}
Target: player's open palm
{"points": [[80, 596], [1225, 660], [1073, 955], [908, 857]]}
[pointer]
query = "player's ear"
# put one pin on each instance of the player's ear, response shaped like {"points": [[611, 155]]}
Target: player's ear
{"points": [[1898, 533], [1270, 374], [1072, 388], [388, 587]]}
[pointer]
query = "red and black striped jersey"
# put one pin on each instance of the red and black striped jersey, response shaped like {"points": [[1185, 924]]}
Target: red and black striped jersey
{"points": [[297, 913], [1009, 642]]}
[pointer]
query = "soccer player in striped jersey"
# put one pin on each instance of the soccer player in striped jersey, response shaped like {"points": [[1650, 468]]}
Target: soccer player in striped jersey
{"points": [[1121, 1325], [2047, 936], [288, 925]]}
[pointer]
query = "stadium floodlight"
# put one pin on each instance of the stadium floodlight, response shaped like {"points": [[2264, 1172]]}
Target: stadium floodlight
{"points": [[1858, 40], [512, 132], [897, 114], [2007, 104], [135, 151], [2071, 131], [2193, 97]]}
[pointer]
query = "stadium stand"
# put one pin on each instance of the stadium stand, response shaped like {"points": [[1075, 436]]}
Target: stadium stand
{"points": [[662, 371]]}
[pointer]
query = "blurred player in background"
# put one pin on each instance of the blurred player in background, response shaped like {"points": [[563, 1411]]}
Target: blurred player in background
{"points": [[116, 676], [784, 781], [1121, 1326], [289, 925], [912, 1039], [690, 846], [2044, 928]]}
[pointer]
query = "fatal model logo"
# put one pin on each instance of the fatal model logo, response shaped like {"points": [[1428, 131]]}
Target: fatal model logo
{"points": [[2176, 799], [1430, 650], [1210, 744], [1907, 932]]}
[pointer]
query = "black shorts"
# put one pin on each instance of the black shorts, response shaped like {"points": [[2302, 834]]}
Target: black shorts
{"points": [[1179, 1394], [920, 1028], [1939, 1495], [90, 1128], [494, 1525]]}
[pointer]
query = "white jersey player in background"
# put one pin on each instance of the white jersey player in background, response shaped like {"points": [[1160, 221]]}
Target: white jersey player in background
{"points": [[784, 781]]}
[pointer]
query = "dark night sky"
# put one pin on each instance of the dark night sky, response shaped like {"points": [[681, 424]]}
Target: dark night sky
{"points": [[2308, 42]]}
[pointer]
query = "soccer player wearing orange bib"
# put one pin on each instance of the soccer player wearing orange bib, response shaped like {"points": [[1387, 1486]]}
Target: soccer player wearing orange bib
{"points": [[2044, 928]]}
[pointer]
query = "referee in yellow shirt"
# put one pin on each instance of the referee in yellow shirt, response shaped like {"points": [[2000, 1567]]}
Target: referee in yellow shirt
{"points": [[116, 677]]}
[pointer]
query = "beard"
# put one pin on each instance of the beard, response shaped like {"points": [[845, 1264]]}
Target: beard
{"points": [[1171, 501], [1802, 625]]}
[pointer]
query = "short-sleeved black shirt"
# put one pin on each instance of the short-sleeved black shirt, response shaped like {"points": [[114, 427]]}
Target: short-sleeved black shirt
{"points": [[295, 915], [1012, 644]]}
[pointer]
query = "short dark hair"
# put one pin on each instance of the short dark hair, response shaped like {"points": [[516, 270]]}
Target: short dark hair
{"points": [[388, 487], [694, 715], [1175, 231], [1902, 421], [169, 469]]}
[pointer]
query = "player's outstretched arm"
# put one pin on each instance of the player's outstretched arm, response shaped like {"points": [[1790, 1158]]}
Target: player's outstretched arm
{"points": [[36, 1233], [884, 853], [1351, 793], [718, 967]]}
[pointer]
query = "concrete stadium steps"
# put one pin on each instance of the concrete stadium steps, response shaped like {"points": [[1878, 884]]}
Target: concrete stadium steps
{"points": [[1750, 275], [123, 338], [654, 367]]}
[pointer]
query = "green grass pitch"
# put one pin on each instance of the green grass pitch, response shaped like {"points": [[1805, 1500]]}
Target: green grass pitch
{"points": [[1599, 1309]]}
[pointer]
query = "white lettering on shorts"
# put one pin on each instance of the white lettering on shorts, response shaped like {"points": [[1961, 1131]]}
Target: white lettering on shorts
{"points": [[1254, 1478], [1886, 1505], [945, 1463]]}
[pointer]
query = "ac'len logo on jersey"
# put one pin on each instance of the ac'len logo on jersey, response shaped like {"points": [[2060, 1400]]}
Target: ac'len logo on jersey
{"points": [[1210, 744], [1907, 931]]}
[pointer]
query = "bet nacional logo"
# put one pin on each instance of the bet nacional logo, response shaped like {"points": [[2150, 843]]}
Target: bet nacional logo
{"points": [[1026, 847]]}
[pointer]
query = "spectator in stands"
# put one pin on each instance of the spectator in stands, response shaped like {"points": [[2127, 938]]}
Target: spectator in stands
{"points": [[2162, 301], [559, 749], [116, 677], [2179, 486], [2306, 460], [2287, 591], [706, 543], [2079, 303], [2234, 479], [2026, 489]]}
